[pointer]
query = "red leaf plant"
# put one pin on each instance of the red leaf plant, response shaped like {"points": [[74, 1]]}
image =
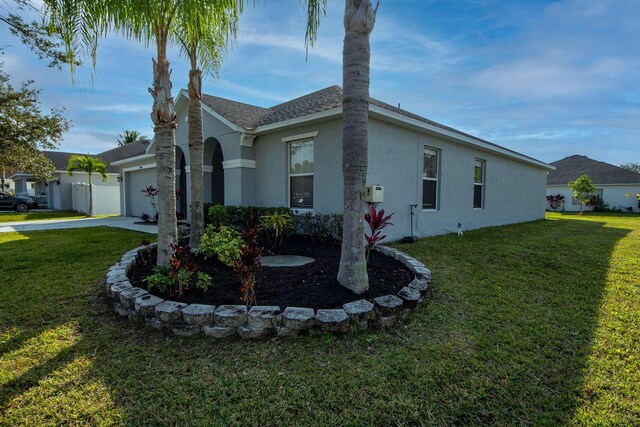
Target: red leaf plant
{"points": [[377, 221], [248, 265]]}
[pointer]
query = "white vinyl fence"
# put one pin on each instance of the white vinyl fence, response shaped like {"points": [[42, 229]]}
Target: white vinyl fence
{"points": [[106, 199]]}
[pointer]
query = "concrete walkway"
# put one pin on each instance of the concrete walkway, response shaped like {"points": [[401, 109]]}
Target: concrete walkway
{"points": [[61, 224]]}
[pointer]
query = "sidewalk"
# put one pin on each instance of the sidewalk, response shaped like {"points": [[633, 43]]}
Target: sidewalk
{"points": [[60, 224]]}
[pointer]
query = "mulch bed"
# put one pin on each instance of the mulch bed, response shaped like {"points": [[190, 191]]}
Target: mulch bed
{"points": [[313, 285]]}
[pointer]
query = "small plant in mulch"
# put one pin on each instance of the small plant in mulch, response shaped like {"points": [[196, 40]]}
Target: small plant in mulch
{"points": [[376, 221], [179, 275], [238, 250], [248, 264], [276, 226]]}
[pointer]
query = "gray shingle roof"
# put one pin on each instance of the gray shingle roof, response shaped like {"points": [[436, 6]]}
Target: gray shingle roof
{"points": [[249, 116], [60, 159], [572, 167]]}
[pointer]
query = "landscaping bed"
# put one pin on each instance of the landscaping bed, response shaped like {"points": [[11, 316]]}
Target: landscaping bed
{"points": [[313, 285]]}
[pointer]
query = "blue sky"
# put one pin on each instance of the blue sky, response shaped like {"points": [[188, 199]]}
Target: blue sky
{"points": [[546, 78]]}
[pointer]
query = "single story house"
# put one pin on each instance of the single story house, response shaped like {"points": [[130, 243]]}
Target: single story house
{"points": [[57, 193], [291, 155], [615, 186]]}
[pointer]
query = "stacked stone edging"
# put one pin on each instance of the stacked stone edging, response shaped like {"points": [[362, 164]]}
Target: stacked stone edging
{"points": [[262, 321]]}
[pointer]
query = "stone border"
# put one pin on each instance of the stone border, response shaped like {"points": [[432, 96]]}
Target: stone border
{"points": [[262, 321]]}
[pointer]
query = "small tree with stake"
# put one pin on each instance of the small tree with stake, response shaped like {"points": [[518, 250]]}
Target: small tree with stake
{"points": [[583, 190]]}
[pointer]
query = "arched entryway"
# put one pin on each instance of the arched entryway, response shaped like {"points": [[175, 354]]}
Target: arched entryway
{"points": [[213, 158], [181, 184]]}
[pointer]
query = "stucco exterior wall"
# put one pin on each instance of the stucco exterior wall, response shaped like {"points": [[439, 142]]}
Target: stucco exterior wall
{"points": [[614, 195], [514, 191]]}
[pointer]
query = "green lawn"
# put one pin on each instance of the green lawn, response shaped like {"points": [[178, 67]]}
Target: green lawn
{"points": [[535, 323], [33, 216]]}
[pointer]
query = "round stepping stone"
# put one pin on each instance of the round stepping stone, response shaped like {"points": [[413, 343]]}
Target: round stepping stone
{"points": [[285, 260]]}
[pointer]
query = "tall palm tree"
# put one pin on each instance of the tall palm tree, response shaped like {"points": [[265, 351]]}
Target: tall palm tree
{"points": [[88, 165], [359, 19], [202, 42], [127, 137], [80, 24]]}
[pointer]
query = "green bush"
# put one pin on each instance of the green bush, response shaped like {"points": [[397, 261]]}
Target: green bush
{"points": [[276, 226], [320, 227], [223, 242], [241, 217], [217, 215]]}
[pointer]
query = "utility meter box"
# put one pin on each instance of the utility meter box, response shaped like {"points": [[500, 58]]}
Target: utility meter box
{"points": [[375, 194]]}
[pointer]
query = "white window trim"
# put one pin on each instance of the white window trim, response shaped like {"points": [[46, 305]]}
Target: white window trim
{"points": [[481, 183], [298, 138], [436, 179]]}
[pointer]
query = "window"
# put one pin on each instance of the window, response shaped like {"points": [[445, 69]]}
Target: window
{"points": [[478, 185], [430, 178], [301, 174]]}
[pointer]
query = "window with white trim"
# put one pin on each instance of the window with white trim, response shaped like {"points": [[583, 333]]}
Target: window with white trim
{"points": [[301, 174], [430, 177], [478, 184]]}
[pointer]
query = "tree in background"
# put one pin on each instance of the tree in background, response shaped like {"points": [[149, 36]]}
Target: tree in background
{"points": [[128, 136], [583, 190], [359, 19], [25, 130], [633, 167], [88, 165], [41, 39]]}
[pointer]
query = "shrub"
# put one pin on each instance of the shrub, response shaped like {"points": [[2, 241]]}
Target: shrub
{"points": [[555, 201], [248, 264], [145, 217], [223, 242], [176, 277], [377, 221], [151, 192], [276, 226], [320, 227], [241, 217], [218, 215]]}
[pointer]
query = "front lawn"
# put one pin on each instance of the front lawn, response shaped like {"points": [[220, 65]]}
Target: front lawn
{"points": [[535, 323], [33, 216]]}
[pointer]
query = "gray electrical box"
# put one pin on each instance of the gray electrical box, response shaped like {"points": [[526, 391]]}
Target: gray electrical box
{"points": [[375, 194]]}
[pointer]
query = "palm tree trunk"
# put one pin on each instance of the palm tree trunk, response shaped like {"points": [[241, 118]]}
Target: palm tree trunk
{"points": [[90, 196], [196, 135], [359, 19], [164, 118]]}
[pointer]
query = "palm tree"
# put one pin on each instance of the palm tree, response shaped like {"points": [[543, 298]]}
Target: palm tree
{"points": [[88, 165], [127, 137], [80, 24], [202, 41], [359, 19]]}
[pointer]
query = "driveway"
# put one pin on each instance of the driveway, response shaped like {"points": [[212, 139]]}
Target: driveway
{"points": [[58, 224]]}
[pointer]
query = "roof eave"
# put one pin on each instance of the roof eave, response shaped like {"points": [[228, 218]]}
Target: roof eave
{"points": [[309, 118], [390, 116]]}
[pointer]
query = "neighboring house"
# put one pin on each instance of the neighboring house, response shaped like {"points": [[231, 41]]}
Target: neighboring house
{"points": [[57, 193], [291, 155], [612, 183]]}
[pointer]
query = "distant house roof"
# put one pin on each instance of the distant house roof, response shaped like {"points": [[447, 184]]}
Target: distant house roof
{"points": [[60, 159], [251, 117], [572, 167]]}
